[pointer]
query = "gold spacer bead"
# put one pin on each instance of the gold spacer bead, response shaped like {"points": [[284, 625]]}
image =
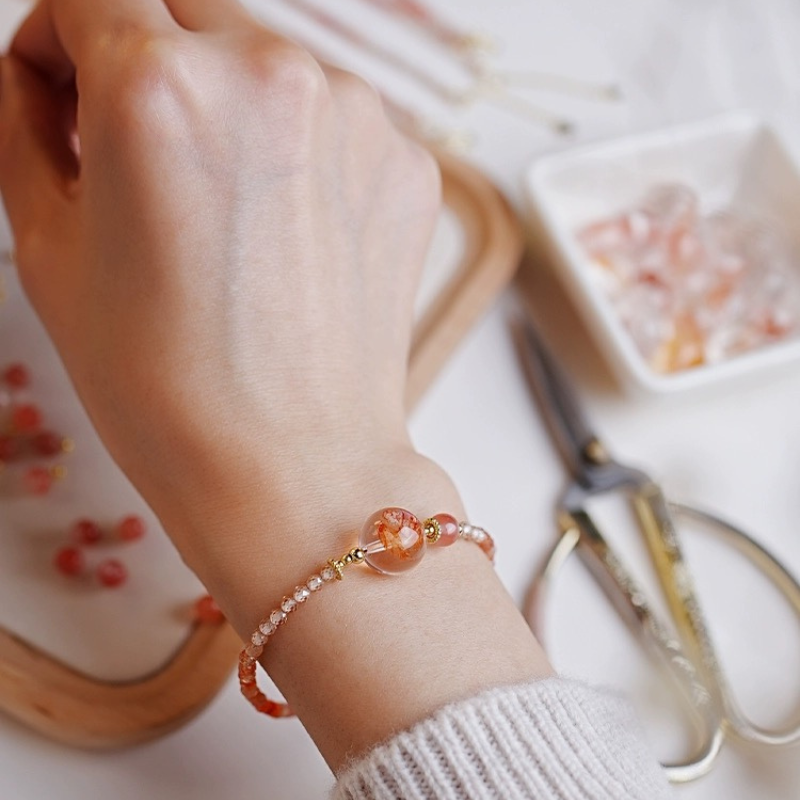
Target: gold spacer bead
{"points": [[338, 567], [348, 559], [358, 555], [59, 472], [433, 530]]}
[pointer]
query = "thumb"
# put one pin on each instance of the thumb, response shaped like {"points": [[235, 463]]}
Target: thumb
{"points": [[38, 169]]}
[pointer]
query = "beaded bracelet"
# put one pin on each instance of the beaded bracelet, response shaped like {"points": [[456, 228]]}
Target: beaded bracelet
{"points": [[392, 541]]}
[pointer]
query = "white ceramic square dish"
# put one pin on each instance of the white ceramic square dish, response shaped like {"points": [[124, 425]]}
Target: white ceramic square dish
{"points": [[730, 161]]}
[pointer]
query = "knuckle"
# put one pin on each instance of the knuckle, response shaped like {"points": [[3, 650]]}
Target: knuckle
{"points": [[287, 72], [30, 255], [357, 92], [126, 51], [426, 175], [29, 245], [143, 70]]}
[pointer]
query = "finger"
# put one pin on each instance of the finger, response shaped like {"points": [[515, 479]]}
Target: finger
{"points": [[59, 35], [38, 170], [209, 15], [37, 165]]}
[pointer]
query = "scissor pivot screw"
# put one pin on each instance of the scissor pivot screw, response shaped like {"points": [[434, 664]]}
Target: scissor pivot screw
{"points": [[596, 453]]}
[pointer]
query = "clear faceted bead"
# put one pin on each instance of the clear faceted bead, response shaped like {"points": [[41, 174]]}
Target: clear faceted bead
{"points": [[301, 594], [288, 604], [277, 616]]}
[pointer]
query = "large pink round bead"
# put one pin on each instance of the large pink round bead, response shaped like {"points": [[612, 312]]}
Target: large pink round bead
{"points": [[393, 540], [448, 527]]}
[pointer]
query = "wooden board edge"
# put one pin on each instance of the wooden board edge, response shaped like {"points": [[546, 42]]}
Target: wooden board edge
{"points": [[76, 709]]}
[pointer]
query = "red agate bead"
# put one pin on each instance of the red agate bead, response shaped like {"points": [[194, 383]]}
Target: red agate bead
{"points": [[9, 448], [111, 573], [26, 418], [69, 561], [86, 531], [131, 528], [47, 444], [393, 540], [17, 376], [38, 480]]}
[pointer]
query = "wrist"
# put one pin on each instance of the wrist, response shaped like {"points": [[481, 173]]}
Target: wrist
{"points": [[395, 648], [253, 536]]}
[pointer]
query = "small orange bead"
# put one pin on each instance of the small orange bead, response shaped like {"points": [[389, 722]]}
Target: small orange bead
{"points": [[488, 547], [207, 611], [274, 709]]}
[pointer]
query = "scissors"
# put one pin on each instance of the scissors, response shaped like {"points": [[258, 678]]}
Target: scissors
{"points": [[688, 655]]}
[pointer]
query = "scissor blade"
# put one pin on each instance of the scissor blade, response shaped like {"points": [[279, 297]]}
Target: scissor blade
{"points": [[565, 419]]}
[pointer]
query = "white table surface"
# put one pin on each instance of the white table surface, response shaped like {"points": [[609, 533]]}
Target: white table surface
{"points": [[735, 448]]}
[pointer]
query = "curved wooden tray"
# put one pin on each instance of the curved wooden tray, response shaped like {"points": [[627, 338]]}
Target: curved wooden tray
{"points": [[72, 707], [493, 247]]}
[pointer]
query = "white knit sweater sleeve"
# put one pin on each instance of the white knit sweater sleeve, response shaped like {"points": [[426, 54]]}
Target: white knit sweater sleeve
{"points": [[549, 740]]}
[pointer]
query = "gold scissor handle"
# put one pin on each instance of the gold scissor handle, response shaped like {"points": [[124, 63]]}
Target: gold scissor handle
{"points": [[656, 516], [579, 532]]}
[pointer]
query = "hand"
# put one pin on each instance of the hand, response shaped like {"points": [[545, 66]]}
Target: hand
{"points": [[224, 242]]}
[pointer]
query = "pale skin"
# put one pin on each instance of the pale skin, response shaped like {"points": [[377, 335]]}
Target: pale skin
{"points": [[224, 241]]}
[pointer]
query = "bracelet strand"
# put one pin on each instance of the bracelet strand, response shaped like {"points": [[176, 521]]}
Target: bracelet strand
{"points": [[392, 541]]}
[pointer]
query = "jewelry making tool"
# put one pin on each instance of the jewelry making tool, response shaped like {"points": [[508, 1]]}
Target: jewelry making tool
{"points": [[689, 656]]}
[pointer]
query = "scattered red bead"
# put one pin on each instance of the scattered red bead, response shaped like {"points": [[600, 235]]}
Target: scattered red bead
{"points": [[111, 573], [10, 448], [206, 610], [37, 480], [17, 376], [85, 531], [131, 528], [47, 444], [69, 561], [26, 418]]}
